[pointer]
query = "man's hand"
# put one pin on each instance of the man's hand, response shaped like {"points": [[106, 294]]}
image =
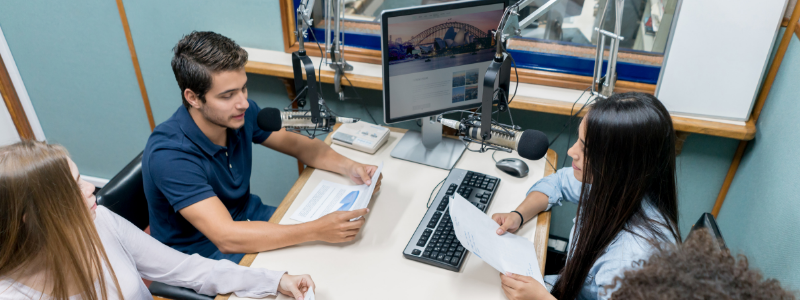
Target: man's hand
{"points": [[362, 174], [518, 287], [295, 285], [508, 222], [336, 227]]}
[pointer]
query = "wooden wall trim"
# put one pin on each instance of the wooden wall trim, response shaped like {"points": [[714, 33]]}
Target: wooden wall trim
{"points": [[15, 109], [726, 185], [124, 18], [796, 29], [759, 105], [288, 24]]}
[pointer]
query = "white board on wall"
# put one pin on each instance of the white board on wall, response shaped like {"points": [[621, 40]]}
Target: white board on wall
{"points": [[717, 56]]}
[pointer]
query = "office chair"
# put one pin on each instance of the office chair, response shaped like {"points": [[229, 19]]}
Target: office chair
{"points": [[707, 221], [124, 195]]}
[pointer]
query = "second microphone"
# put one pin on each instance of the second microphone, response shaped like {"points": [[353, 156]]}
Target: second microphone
{"points": [[272, 119]]}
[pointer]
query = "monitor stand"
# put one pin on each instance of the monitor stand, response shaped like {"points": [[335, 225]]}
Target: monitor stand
{"points": [[428, 147]]}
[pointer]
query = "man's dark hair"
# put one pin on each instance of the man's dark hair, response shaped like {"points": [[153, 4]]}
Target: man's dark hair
{"points": [[200, 54], [698, 269]]}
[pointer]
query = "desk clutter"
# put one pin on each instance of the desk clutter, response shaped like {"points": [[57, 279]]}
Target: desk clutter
{"points": [[397, 219], [361, 136], [434, 242]]}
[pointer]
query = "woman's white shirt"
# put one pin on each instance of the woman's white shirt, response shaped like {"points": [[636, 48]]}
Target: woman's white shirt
{"points": [[135, 255]]}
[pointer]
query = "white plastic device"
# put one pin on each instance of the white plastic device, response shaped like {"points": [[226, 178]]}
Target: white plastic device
{"points": [[361, 136]]}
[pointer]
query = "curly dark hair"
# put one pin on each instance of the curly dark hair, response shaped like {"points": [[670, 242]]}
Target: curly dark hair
{"points": [[697, 269]]}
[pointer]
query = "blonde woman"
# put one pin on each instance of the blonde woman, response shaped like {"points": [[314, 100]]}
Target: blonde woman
{"points": [[56, 243]]}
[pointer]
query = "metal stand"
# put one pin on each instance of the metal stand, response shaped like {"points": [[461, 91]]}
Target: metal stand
{"points": [[428, 147]]}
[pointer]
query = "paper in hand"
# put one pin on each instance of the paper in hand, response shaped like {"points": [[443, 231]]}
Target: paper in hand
{"points": [[506, 253], [309, 295], [328, 197]]}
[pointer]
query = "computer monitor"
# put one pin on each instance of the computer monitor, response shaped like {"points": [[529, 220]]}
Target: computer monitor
{"points": [[434, 60]]}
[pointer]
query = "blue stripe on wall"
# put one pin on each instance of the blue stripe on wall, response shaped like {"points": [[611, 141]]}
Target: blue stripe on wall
{"points": [[74, 60], [526, 59]]}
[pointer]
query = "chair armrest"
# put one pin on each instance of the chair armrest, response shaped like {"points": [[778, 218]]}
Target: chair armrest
{"points": [[174, 292]]}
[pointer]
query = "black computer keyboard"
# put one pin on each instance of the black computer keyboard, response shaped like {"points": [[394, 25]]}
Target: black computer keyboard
{"points": [[434, 242]]}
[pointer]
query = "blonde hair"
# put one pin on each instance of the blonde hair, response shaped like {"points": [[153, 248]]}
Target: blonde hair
{"points": [[44, 221]]}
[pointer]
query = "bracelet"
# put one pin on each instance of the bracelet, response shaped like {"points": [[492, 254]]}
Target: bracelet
{"points": [[522, 220]]}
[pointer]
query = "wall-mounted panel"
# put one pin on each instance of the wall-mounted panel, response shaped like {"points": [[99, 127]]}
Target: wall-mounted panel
{"points": [[718, 53]]}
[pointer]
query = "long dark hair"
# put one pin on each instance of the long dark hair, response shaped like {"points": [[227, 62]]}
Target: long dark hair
{"points": [[629, 158]]}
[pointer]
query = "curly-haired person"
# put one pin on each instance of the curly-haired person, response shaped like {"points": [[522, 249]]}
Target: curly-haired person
{"points": [[697, 269]]}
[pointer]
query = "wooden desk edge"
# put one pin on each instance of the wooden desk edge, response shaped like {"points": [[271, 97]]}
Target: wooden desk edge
{"points": [[740, 132], [543, 222], [542, 225]]}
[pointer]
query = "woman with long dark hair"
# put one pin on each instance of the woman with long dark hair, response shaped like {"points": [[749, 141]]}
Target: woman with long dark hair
{"points": [[56, 243], [623, 180]]}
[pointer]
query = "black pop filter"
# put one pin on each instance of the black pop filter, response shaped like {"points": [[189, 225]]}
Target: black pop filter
{"points": [[269, 119], [532, 144]]}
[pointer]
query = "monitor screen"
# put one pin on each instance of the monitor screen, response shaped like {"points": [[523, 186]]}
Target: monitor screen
{"points": [[435, 57]]}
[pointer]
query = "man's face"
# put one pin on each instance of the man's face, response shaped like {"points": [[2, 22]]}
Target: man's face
{"points": [[226, 101]]}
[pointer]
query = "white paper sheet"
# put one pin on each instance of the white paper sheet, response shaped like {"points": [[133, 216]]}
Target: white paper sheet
{"points": [[478, 234], [328, 197], [309, 295]]}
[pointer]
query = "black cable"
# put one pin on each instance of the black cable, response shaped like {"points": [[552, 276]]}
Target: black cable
{"points": [[570, 117], [428, 205], [515, 74], [364, 106], [298, 96], [319, 71], [569, 134]]}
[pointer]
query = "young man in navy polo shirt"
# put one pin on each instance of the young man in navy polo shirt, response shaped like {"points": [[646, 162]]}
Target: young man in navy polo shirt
{"points": [[196, 165]]}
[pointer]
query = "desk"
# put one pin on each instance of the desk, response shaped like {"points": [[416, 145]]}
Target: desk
{"points": [[373, 266]]}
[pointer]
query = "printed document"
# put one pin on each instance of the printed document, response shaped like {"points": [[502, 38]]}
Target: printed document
{"points": [[328, 197], [309, 295], [477, 232]]}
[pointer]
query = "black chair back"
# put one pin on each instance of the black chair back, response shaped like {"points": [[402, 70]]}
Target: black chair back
{"points": [[707, 221], [124, 194]]}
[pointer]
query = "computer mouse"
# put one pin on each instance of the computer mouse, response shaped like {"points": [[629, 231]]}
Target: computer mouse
{"points": [[513, 166]]}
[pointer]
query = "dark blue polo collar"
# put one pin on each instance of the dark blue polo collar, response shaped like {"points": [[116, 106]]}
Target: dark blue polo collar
{"points": [[191, 131]]}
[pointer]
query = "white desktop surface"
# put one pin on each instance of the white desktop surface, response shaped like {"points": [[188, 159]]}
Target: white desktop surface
{"points": [[372, 266]]}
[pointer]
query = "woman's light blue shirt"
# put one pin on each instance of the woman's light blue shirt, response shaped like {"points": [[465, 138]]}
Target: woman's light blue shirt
{"points": [[623, 253]]}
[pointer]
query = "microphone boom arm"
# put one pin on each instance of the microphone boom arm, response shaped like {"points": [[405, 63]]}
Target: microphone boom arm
{"points": [[496, 82]]}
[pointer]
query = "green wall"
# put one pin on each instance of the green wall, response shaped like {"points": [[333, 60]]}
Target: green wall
{"points": [[74, 60], [76, 66], [761, 214]]}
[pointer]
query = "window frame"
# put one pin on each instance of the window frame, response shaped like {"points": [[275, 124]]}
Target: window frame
{"points": [[541, 68]]}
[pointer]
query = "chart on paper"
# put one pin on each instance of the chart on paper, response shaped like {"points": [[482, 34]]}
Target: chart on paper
{"points": [[328, 197]]}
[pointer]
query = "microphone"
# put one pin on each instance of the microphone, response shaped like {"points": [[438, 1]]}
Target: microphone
{"points": [[272, 119], [530, 144]]}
